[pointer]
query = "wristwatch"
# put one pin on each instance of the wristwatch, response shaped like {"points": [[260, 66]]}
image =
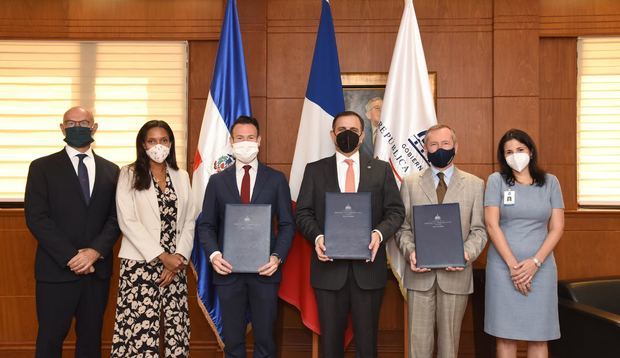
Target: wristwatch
{"points": [[536, 261]]}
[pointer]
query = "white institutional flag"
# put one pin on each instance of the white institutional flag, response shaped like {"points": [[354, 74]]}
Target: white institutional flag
{"points": [[408, 111]]}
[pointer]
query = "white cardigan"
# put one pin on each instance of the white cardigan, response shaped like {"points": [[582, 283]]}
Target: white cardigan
{"points": [[139, 219]]}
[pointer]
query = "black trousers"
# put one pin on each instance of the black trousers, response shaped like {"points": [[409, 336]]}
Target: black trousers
{"points": [[247, 291], [334, 307], [57, 304]]}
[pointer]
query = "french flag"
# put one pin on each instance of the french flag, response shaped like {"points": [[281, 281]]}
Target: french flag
{"points": [[324, 99], [228, 99]]}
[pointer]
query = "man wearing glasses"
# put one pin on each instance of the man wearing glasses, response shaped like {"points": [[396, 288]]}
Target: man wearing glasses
{"points": [[70, 210]]}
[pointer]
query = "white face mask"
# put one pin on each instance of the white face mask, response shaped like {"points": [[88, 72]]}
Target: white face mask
{"points": [[245, 151], [518, 161], [158, 153]]}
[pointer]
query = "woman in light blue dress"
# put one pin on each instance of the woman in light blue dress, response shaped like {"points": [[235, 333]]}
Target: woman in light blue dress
{"points": [[524, 215]]}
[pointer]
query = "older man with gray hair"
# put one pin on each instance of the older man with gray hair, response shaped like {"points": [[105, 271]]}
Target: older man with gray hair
{"points": [[438, 297]]}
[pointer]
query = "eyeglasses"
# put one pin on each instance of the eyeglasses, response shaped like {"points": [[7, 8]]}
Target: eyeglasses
{"points": [[84, 123]]}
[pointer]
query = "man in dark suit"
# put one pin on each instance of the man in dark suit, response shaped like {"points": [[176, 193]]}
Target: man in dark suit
{"points": [[343, 286], [70, 210], [247, 182]]}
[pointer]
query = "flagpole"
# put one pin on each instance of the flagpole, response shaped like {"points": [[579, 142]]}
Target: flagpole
{"points": [[315, 345], [406, 328]]}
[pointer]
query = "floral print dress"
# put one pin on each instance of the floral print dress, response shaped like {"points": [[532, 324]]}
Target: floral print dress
{"points": [[142, 304]]}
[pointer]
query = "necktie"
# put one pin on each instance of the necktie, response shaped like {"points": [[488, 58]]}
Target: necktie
{"points": [[83, 177], [441, 188], [349, 184], [245, 185]]}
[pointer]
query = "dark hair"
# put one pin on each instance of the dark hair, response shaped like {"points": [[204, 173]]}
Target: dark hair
{"points": [[245, 120], [537, 173], [141, 167], [347, 113]]}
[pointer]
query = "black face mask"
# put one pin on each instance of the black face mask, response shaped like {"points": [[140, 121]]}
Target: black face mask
{"points": [[347, 141], [78, 137], [441, 158]]}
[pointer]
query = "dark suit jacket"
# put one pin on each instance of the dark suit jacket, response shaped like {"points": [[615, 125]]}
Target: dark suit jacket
{"points": [[270, 187], [60, 220], [388, 213]]}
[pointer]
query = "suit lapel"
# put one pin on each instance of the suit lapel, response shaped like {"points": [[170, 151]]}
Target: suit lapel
{"points": [[428, 186], [151, 194], [71, 175], [98, 176], [455, 187], [365, 172], [259, 183], [175, 178], [230, 179], [331, 175]]}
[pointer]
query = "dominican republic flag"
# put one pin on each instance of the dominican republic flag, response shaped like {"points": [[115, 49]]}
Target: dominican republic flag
{"points": [[228, 99], [408, 111], [324, 99]]}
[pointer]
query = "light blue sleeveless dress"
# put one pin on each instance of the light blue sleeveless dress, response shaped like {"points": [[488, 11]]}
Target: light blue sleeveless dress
{"points": [[508, 313]]}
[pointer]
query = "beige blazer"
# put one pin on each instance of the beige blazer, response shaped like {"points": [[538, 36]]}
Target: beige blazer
{"points": [[139, 220], [465, 189]]}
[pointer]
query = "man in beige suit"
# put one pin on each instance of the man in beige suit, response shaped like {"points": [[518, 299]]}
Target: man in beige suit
{"points": [[439, 296]]}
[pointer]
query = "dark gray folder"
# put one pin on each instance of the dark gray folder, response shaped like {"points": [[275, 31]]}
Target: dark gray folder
{"points": [[438, 238], [348, 225], [247, 231]]}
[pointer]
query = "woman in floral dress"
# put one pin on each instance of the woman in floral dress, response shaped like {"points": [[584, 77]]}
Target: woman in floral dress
{"points": [[156, 216]]}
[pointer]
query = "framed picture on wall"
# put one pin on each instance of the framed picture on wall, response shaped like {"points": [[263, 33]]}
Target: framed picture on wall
{"points": [[363, 94]]}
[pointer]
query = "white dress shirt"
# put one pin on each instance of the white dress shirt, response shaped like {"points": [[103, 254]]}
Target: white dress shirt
{"points": [[89, 161], [239, 172], [342, 168]]}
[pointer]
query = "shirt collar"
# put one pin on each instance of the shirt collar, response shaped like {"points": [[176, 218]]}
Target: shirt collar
{"points": [[447, 172], [253, 164], [72, 152], [341, 157]]}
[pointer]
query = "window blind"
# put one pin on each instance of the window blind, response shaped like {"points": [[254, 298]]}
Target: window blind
{"points": [[598, 121], [125, 84]]}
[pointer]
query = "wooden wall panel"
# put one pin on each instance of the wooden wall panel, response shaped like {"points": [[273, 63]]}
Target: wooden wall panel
{"points": [[355, 51], [558, 113], [472, 120], [582, 254], [118, 20], [558, 68], [288, 64], [567, 175], [201, 63], [448, 9], [463, 62], [515, 112], [557, 131], [255, 48], [515, 63], [579, 18], [284, 115]]}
